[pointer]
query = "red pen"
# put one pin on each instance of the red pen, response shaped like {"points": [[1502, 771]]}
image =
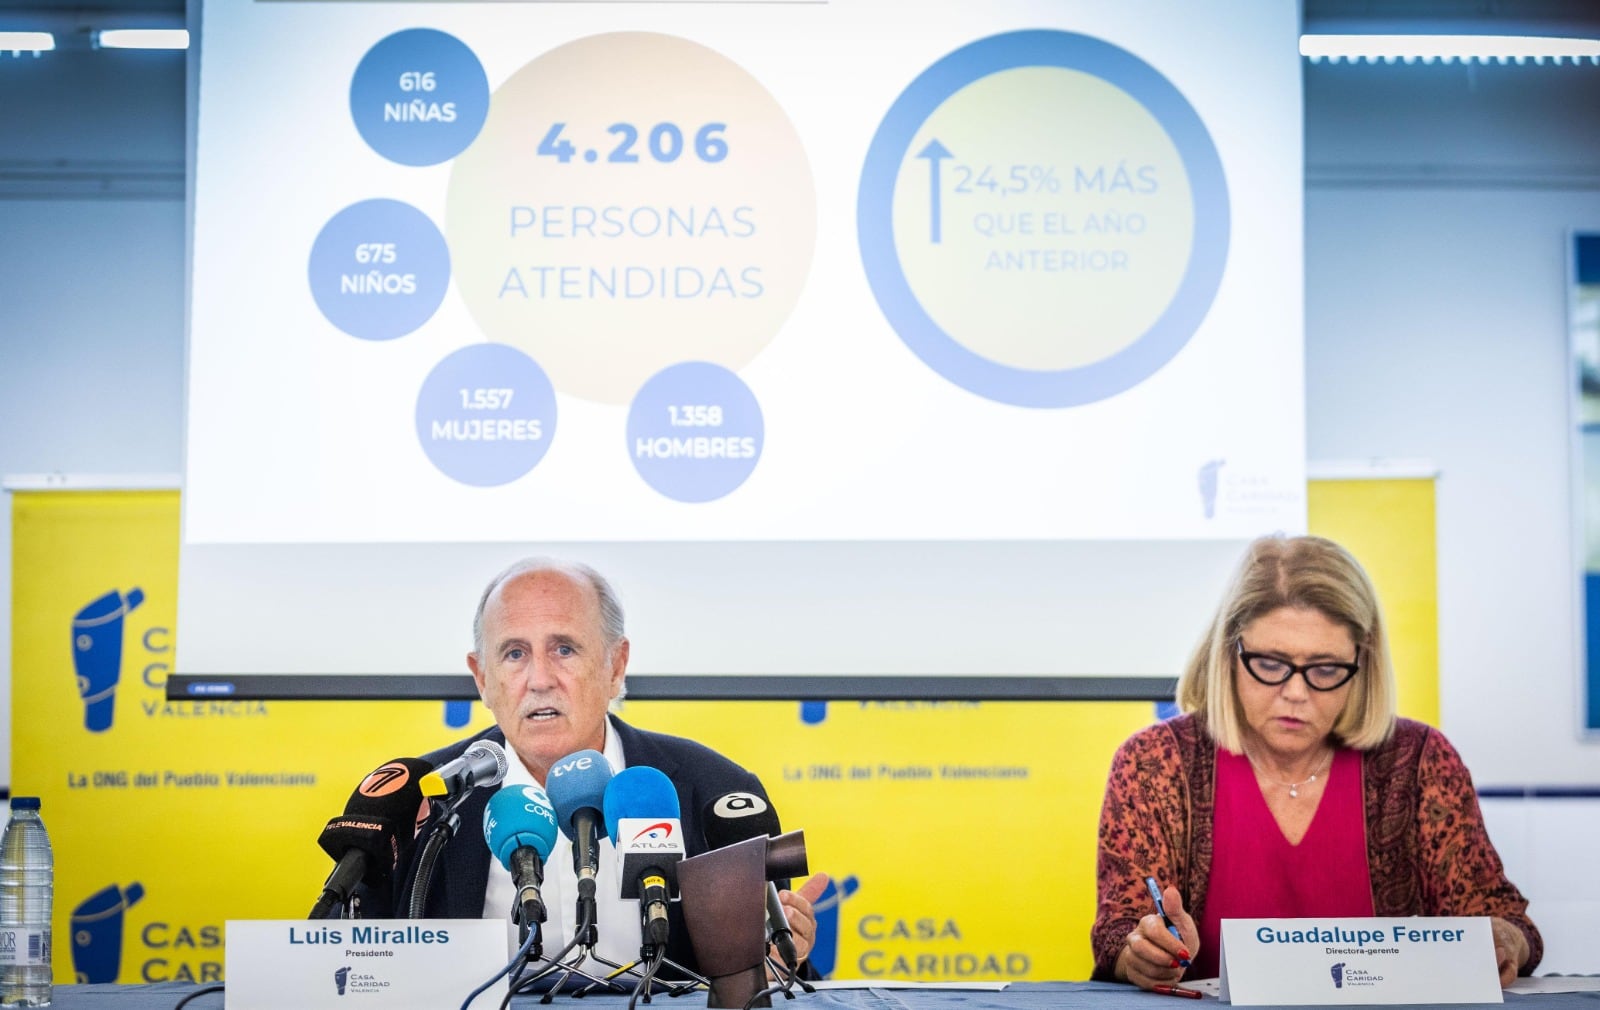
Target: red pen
{"points": [[1176, 990]]}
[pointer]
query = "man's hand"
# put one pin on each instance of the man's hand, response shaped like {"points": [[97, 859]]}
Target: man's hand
{"points": [[802, 919]]}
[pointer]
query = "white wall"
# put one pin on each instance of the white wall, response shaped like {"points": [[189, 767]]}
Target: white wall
{"points": [[1438, 210]]}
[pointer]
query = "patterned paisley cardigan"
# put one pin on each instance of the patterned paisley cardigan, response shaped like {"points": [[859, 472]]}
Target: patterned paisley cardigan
{"points": [[1427, 849]]}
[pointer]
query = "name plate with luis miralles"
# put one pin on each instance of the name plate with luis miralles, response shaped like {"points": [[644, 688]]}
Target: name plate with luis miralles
{"points": [[1296, 962], [345, 964]]}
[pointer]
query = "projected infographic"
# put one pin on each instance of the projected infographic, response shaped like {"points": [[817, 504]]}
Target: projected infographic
{"points": [[635, 261], [767, 292]]}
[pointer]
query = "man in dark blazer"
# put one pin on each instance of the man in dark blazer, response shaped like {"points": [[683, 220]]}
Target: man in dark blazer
{"points": [[549, 656]]}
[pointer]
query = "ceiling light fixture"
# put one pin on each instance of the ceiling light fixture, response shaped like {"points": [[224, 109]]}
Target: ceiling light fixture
{"points": [[142, 38], [1503, 49], [17, 43]]}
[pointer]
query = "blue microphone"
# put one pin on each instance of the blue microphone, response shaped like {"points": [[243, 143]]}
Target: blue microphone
{"points": [[639, 792], [519, 827], [642, 811], [577, 786]]}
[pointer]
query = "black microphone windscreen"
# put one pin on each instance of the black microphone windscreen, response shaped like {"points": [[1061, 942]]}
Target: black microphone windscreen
{"points": [[379, 819], [737, 817]]}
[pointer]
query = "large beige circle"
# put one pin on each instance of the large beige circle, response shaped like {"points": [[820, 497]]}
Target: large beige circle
{"points": [[605, 273]]}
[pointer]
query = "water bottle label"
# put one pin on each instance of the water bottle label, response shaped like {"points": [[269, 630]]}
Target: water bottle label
{"points": [[24, 948]]}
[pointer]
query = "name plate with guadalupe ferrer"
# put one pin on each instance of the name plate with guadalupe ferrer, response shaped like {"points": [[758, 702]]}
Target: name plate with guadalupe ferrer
{"points": [[1359, 961]]}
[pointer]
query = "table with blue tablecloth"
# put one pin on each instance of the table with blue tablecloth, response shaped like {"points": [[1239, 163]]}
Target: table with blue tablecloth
{"points": [[1017, 996]]}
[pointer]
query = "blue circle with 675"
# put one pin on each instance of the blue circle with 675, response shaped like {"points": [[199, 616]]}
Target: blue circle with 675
{"points": [[379, 269]]}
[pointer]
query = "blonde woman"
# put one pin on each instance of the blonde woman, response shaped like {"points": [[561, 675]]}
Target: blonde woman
{"points": [[1288, 787]]}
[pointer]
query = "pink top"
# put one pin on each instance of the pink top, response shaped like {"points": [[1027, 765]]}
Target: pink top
{"points": [[1257, 874]]}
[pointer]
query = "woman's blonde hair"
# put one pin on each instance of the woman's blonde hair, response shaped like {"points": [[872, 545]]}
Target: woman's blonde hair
{"points": [[1302, 572]]}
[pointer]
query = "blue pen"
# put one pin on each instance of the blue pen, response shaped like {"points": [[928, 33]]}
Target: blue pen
{"points": [[1161, 910]]}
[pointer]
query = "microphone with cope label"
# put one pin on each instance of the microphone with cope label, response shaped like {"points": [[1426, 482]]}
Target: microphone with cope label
{"points": [[519, 826], [736, 817], [641, 808], [577, 788], [482, 764], [374, 834]]}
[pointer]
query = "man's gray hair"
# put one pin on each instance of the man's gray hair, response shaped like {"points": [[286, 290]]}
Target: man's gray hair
{"points": [[611, 627]]}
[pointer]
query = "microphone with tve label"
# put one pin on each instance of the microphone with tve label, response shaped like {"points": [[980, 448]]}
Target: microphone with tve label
{"points": [[482, 764], [374, 834], [577, 788], [736, 817], [641, 808], [519, 826]]}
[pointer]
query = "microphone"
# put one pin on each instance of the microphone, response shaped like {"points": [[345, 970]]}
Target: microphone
{"points": [[374, 834], [577, 789], [482, 764], [520, 829], [736, 817], [642, 810]]}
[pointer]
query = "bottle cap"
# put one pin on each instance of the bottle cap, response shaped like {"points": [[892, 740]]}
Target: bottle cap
{"points": [[24, 803]]}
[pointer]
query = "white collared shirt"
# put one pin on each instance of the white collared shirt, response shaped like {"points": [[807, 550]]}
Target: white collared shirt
{"points": [[618, 919]]}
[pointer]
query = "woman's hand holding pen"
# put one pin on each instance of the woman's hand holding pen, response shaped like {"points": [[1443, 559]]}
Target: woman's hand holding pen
{"points": [[1152, 955]]}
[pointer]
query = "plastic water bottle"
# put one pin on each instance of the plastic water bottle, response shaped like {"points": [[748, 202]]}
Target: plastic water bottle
{"points": [[27, 885]]}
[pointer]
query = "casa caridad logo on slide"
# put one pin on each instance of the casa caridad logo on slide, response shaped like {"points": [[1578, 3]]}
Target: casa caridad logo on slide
{"points": [[97, 654], [340, 977], [97, 932], [1337, 971]]}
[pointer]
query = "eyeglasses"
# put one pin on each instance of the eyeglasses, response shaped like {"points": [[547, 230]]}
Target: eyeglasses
{"points": [[1272, 671]]}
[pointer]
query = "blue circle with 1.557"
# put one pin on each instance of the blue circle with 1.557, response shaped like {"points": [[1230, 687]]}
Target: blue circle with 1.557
{"points": [[927, 339], [419, 97], [486, 415], [379, 269], [695, 431]]}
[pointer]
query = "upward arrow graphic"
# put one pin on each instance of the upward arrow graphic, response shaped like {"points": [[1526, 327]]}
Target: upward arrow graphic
{"points": [[935, 152]]}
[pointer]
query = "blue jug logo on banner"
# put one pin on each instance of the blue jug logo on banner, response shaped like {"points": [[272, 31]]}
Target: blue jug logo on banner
{"points": [[97, 932], [825, 945], [1337, 971], [340, 977], [97, 654]]}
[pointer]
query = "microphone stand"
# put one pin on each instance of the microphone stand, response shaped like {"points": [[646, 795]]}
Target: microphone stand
{"points": [[653, 959], [440, 832], [584, 937]]}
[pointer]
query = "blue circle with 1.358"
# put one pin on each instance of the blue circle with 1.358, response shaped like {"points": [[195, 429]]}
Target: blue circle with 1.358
{"points": [[695, 431]]}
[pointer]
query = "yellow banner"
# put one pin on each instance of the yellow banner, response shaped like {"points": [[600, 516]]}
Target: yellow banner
{"points": [[960, 836], [166, 818]]}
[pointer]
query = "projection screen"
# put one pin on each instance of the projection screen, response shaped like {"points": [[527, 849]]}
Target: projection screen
{"points": [[871, 349]]}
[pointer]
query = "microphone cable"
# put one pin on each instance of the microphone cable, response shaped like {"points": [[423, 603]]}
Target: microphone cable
{"points": [[516, 959], [518, 987], [202, 991], [645, 980]]}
